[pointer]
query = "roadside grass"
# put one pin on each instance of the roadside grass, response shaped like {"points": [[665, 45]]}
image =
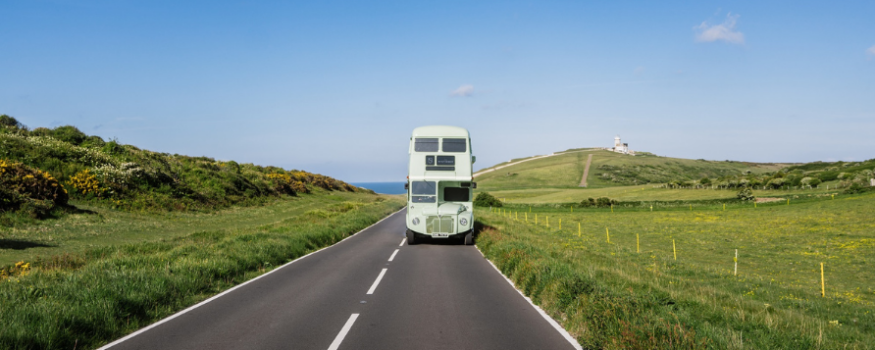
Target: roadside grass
{"points": [[609, 169], [640, 193], [123, 271], [96, 225], [608, 295]]}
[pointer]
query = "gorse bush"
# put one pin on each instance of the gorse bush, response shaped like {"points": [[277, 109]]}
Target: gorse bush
{"points": [[22, 187], [86, 183]]}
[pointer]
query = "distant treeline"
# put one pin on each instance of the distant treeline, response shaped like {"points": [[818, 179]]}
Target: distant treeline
{"points": [[41, 168]]}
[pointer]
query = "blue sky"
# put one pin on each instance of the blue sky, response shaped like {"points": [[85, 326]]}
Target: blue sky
{"points": [[336, 87]]}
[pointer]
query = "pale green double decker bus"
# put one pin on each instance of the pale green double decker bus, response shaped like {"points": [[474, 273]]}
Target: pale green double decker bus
{"points": [[440, 184]]}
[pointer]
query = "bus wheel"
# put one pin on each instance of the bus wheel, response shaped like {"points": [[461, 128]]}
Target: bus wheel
{"points": [[469, 238], [411, 238]]}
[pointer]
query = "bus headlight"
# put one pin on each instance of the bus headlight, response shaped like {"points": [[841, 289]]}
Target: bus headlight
{"points": [[463, 221], [415, 221]]}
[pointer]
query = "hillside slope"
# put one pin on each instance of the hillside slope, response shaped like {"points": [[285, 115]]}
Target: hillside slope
{"points": [[41, 168], [609, 169]]}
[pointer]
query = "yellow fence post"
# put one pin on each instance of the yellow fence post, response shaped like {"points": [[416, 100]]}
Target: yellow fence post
{"points": [[560, 223], [612, 208], [578, 229], [608, 234], [637, 243], [527, 217], [822, 284], [674, 249], [724, 206]]}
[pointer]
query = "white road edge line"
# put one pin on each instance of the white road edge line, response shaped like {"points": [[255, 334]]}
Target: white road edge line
{"points": [[393, 255], [195, 306], [343, 331], [402, 242], [544, 314], [377, 282]]}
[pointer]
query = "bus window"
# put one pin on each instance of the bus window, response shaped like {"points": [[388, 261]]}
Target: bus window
{"points": [[423, 191], [455, 145], [456, 194], [425, 144]]}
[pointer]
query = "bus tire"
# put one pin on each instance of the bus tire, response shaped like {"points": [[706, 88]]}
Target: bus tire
{"points": [[469, 238], [411, 238]]}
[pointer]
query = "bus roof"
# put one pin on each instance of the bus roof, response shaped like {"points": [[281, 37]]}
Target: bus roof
{"points": [[440, 130]]}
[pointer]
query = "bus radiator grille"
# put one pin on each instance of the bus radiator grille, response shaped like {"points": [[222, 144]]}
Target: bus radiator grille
{"points": [[436, 224]]}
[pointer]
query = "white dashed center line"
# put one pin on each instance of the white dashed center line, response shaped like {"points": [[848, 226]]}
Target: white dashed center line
{"points": [[343, 331], [402, 242], [393, 255], [377, 282]]}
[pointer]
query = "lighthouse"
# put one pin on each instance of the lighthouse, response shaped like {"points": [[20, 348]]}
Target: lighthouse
{"points": [[619, 146]]}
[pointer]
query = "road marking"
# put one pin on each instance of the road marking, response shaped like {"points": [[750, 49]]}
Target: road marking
{"points": [[547, 317], [393, 255], [195, 306], [377, 282], [339, 339], [402, 242]]}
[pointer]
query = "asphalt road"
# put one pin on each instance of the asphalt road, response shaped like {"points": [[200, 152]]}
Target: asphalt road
{"points": [[351, 296]]}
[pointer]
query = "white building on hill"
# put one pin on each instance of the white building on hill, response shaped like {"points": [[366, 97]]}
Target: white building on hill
{"points": [[620, 147]]}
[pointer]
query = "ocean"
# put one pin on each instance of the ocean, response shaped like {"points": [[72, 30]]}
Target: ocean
{"points": [[382, 187]]}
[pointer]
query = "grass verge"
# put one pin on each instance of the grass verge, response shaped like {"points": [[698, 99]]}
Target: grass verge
{"points": [[609, 295], [87, 299]]}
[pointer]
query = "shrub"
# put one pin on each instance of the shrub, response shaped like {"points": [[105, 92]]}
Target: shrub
{"points": [[810, 181], [87, 184], [856, 187], [776, 182], [600, 202], [24, 187], [745, 194], [484, 199], [705, 181], [6, 120], [69, 134]]}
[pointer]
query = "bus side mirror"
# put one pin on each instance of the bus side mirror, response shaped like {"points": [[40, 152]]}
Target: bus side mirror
{"points": [[473, 159], [406, 186], [473, 185]]}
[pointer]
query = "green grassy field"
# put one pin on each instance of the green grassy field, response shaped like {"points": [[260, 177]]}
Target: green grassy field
{"points": [[610, 295], [608, 169], [640, 193], [86, 279]]}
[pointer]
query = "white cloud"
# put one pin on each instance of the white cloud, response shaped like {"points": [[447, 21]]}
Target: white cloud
{"points": [[725, 31], [463, 91], [871, 52]]}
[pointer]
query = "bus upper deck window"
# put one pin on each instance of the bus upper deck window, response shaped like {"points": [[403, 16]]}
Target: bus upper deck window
{"points": [[425, 144], [455, 145]]}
